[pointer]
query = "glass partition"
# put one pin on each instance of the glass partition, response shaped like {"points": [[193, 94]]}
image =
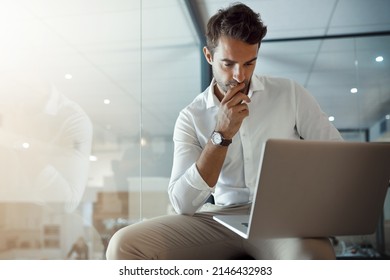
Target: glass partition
{"points": [[347, 76], [89, 96]]}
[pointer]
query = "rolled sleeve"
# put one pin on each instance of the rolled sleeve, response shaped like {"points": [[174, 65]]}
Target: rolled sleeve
{"points": [[189, 192]]}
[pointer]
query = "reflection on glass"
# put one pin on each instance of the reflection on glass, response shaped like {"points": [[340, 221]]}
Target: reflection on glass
{"points": [[79, 250], [45, 143]]}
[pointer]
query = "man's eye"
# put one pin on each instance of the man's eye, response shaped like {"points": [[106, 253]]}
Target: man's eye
{"points": [[228, 65]]}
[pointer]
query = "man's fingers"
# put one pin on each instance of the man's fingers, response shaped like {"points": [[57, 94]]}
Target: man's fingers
{"points": [[241, 108], [239, 98], [232, 92]]}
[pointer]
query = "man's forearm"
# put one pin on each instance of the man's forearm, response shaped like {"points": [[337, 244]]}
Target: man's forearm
{"points": [[210, 163]]}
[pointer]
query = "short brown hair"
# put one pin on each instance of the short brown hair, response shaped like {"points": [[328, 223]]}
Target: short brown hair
{"points": [[237, 21]]}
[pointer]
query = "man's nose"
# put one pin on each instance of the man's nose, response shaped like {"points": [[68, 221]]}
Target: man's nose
{"points": [[239, 74]]}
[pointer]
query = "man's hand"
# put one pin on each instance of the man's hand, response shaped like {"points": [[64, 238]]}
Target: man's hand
{"points": [[233, 110]]}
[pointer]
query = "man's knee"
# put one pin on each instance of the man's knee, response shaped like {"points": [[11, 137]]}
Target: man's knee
{"points": [[291, 249], [120, 246], [113, 248], [309, 249], [319, 249]]}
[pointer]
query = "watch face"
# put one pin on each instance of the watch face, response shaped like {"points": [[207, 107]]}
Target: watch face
{"points": [[217, 138]]}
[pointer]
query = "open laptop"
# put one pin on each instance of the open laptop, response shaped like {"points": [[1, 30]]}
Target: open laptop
{"points": [[316, 189]]}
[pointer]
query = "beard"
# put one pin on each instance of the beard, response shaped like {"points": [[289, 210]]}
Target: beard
{"points": [[230, 84]]}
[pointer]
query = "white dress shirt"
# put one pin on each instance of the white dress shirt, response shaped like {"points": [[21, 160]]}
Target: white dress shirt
{"points": [[279, 108]]}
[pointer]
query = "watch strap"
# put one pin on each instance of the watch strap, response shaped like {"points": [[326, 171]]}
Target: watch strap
{"points": [[226, 142]]}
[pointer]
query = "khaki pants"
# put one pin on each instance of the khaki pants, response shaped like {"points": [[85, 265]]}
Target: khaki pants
{"points": [[181, 237]]}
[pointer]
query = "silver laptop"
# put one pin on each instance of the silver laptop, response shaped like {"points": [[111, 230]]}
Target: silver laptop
{"points": [[316, 189]]}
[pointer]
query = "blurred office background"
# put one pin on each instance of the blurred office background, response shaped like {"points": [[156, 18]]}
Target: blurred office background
{"points": [[131, 66]]}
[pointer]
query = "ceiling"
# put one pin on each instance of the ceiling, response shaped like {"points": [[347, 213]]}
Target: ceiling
{"points": [[144, 56]]}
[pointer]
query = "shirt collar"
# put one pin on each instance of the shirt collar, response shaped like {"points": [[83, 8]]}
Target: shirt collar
{"points": [[255, 85], [212, 100]]}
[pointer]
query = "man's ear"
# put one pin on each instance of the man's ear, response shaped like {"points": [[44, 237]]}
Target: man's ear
{"points": [[208, 55]]}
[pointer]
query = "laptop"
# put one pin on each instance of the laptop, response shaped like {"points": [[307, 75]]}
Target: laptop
{"points": [[316, 189]]}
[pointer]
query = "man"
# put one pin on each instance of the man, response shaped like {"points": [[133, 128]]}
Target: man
{"points": [[217, 150]]}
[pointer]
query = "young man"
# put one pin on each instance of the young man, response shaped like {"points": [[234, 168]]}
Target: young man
{"points": [[217, 148]]}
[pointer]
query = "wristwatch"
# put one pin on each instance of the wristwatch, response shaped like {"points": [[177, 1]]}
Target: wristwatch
{"points": [[217, 139]]}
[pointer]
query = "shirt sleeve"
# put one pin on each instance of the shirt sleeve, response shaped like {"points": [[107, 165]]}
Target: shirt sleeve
{"points": [[187, 190], [312, 123]]}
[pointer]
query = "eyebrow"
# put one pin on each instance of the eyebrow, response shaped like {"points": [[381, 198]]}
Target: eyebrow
{"points": [[232, 61]]}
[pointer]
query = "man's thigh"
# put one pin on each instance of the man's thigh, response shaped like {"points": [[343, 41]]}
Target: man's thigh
{"points": [[176, 237]]}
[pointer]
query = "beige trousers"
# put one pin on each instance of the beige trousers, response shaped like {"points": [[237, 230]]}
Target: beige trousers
{"points": [[181, 237]]}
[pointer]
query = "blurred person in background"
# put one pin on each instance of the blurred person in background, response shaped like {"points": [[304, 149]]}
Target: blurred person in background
{"points": [[45, 140]]}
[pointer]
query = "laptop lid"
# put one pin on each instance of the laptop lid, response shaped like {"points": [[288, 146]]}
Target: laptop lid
{"points": [[319, 188]]}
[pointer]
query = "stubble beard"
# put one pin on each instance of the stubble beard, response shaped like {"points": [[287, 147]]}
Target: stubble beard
{"points": [[226, 86]]}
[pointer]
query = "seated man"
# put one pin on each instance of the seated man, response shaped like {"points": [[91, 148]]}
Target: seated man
{"points": [[218, 140]]}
